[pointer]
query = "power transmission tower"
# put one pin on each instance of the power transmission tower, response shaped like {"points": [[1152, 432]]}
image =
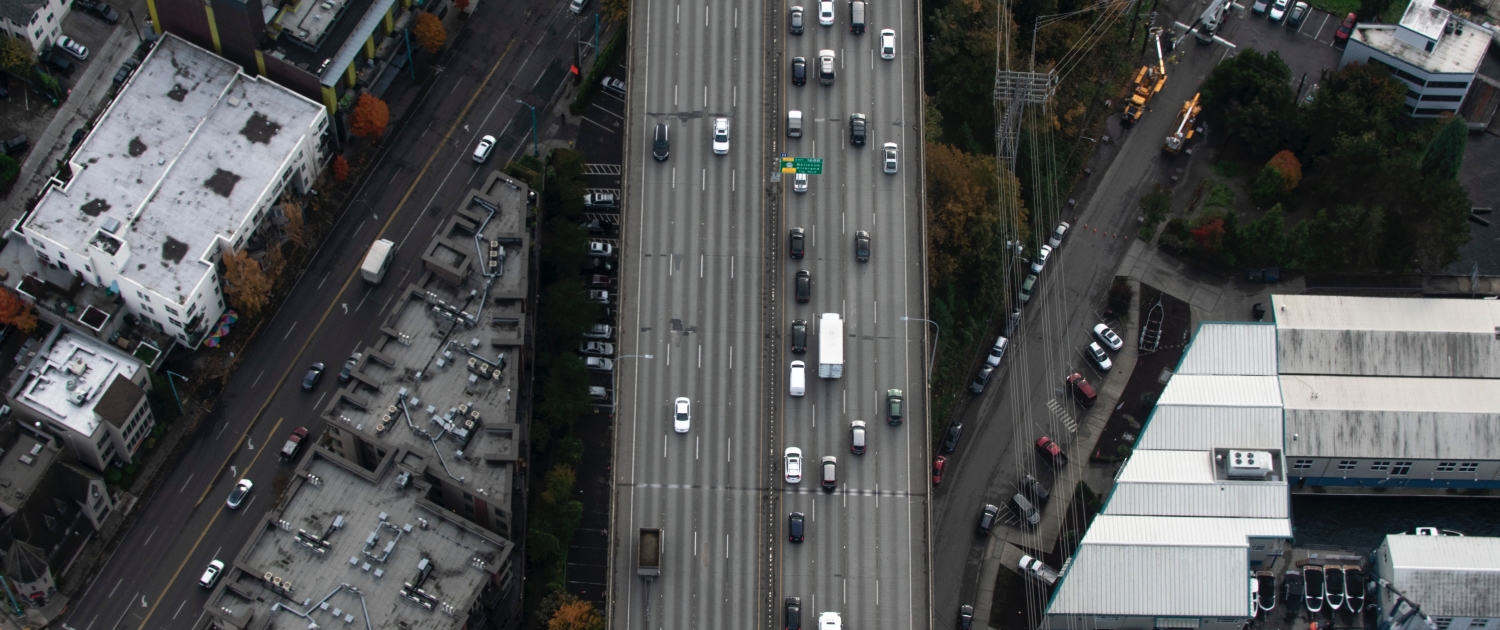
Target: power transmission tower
{"points": [[1014, 90]]}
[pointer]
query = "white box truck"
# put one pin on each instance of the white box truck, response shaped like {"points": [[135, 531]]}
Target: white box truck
{"points": [[373, 269], [831, 346]]}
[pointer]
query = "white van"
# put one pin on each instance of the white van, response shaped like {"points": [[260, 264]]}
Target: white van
{"points": [[794, 124], [799, 378]]}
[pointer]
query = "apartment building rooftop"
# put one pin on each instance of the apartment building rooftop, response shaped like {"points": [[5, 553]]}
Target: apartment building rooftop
{"points": [[78, 381]]}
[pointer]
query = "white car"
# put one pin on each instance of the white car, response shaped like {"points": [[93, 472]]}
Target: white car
{"points": [[1278, 10], [1100, 358], [793, 464], [890, 157], [82, 52], [599, 295], [1041, 258], [598, 249], [682, 415], [887, 44], [799, 183], [597, 348], [1057, 234], [830, 621], [1107, 336], [611, 83], [599, 364], [211, 574], [482, 152], [237, 496], [721, 136], [997, 353], [825, 12]]}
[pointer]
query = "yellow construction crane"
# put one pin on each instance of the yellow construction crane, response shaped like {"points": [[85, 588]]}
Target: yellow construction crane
{"points": [[1148, 82], [1184, 131]]}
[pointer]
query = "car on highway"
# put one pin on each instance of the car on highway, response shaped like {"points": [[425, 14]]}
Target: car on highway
{"points": [[482, 151], [1050, 451], [804, 286], [72, 47], [825, 12], [721, 136], [797, 21], [661, 143], [1057, 234], [799, 183], [887, 44], [596, 349], [1025, 511], [1041, 259], [1259, 8], [1027, 288], [799, 336], [682, 415], [1278, 10], [950, 440], [796, 527], [981, 379], [1107, 336], [211, 574], [891, 163], [600, 249], [314, 373], [1034, 490], [798, 379], [830, 466], [857, 129], [862, 246], [857, 437], [793, 457], [599, 364], [293, 443], [237, 496], [576, 6], [830, 621], [793, 613], [965, 617], [937, 469], [347, 372], [997, 352], [825, 66], [1295, 17], [1099, 357], [987, 517], [1341, 36], [797, 243], [893, 405], [1082, 391], [799, 71]]}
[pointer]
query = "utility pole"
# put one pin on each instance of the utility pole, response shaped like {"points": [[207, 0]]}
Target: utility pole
{"points": [[535, 152]]}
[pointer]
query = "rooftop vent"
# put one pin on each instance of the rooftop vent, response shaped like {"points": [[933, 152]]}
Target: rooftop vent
{"points": [[1249, 464], [110, 225]]}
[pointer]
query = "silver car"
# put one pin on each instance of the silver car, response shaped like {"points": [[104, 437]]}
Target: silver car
{"points": [[890, 157], [721, 136]]}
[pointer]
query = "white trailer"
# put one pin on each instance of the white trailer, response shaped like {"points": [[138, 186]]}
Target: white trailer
{"points": [[831, 346], [373, 269]]}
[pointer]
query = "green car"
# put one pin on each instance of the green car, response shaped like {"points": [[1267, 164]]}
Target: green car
{"points": [[893, 400]]}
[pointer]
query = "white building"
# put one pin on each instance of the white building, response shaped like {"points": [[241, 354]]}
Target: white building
{"points": [[88, 395], [184, 165], [1454, 579], [39, 22], [1433, 51]]}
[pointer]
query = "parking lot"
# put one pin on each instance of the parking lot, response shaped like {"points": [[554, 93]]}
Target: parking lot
{"points": [[1307, 50]]}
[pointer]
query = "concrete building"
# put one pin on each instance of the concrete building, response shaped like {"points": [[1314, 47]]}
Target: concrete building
{"points": [[189, 161], [88, 395], [1433, 51], [39, 22], [420, 456], [1453, 579]]}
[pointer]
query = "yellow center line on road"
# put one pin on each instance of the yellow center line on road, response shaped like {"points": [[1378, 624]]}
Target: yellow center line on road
{"points": [[457, 122]]}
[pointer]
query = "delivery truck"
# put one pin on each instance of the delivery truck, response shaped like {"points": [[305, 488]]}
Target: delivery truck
{"points": [[831, 346], [373, 269]]}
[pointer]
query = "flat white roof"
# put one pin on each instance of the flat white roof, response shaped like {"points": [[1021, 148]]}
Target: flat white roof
{"points": [[1335, 312], [1387, 336], [1427, 395], [1183, 531], [1453, 54], [1215, 390], [1183, 483], [1232, 349], [67, 379], [1450, 576], [181, 157], [1155, 580], [1424, 18], [1203, 428]]}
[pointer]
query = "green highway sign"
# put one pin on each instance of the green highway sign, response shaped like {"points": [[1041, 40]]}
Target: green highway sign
{"points": [[806, 166]]}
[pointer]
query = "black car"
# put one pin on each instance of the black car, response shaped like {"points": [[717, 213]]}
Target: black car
{"points": [[951, 441], [987, 518], [857, 129], [804, 286], [798, 243], [313, 374], [78, 135], [794, 527], [1034, 490], [794, 613], [15, 146], [862, 246], [799, 336], [100, 9], [965, 617], [60, 62], [799, 71], [1259, 311], [123, 73], [660, 143]]}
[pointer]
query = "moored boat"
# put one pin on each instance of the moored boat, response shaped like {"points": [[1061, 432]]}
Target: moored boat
{"points": [[1312, 583], [1266, 599], [1354, 585], [1333, 586]]}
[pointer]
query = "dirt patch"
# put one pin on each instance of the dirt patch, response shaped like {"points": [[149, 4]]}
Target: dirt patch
{"points": [[1146, 381]]}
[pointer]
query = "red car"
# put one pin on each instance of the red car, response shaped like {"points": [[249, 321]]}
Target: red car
{"points": [[1051, 450], [1341, 36], [937, 469]]}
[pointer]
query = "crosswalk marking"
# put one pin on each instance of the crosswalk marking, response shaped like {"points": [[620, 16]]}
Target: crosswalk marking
{"points": [[1061, 413], [601, 169]]}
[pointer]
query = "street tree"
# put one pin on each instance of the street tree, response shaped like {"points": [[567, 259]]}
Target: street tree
{"points": [[430, 33], [576, 615], [614, 10], [1445, 155], [369, 117], [16, 56], [15, 311], [340, 168], [1354, 100], [248, 287], [295, 233]]}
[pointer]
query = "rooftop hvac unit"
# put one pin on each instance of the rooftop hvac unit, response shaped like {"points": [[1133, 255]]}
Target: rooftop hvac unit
{"points": [[463, 409], [1249, 464], [391, 410], [474, 416]]}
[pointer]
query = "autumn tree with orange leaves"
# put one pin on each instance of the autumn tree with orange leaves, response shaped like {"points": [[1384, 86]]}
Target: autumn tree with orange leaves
{"points": [[369, 117], [15, 311], [575, 614], [249, 288], [430, 33], [340, 168]]}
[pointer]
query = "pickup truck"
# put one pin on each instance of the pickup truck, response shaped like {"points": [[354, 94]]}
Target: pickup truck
{"points": [[1035, 568], [293, 443], [1050, 450]]}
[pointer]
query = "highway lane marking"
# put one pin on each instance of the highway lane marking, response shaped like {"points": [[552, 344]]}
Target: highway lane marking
{"points": [[704, 180], [179, 609], [705, 15], [112, 593], [257, 379], [185, 483], [91, 621], [320, 400], [729, 450], [674, 174], [679, 21], [289, 331], [854, 492], [150, 536], [674, 98], [732, 175], [700, 346]]}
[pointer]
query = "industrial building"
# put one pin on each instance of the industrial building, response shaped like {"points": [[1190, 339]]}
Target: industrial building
{"points": [[1449, 581]]}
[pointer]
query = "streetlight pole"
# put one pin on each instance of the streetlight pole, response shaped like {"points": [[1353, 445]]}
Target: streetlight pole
{"points": [[171, 374], [934, 341], [534, 151]]}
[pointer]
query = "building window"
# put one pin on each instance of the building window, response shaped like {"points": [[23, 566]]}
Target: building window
{"points": [[175, 322], [1446, 466], [1302, 464], [1468, 467], [1400, 469], [170, 310], [1386, 465], [1413, 95], [1432, 111], [1347, 464], [1449, 85], [63, 265], [1442, 622], [1443, 97]]}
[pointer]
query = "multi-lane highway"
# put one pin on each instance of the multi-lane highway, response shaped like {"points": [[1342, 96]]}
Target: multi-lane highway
{"points": [[708, 290]]}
